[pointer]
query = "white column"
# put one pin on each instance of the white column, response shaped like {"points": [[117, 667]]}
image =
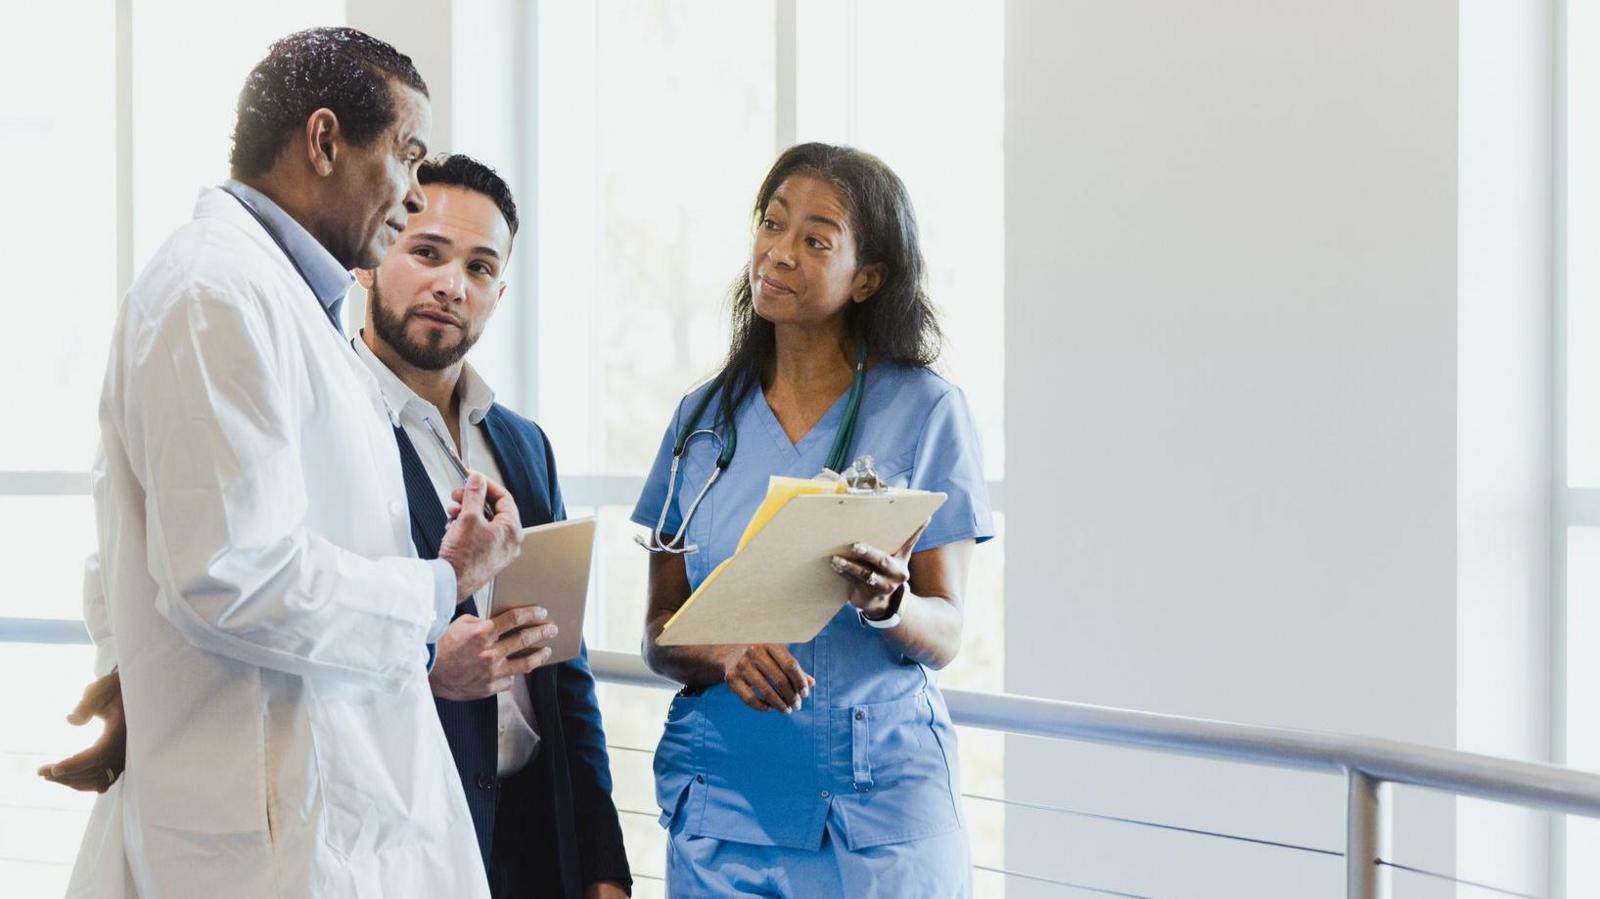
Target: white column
{"points": [[1231, 415], [421, 30]]}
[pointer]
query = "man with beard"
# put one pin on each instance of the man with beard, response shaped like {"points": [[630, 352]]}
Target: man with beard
{"points": [[268, 610], [527, 739]]}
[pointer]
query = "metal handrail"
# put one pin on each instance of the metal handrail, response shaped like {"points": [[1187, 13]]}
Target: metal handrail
{"points": [[1370, 764]]}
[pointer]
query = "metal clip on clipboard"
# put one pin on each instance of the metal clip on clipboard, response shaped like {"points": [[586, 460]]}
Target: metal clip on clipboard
{"points": [[862, 479]]}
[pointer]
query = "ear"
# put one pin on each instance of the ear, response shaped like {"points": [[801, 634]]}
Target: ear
{"points": [[322, 141], [365, 277], [867, 281]]}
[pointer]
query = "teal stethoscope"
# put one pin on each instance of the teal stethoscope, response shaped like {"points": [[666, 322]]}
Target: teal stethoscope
{"points": [[690, 430]]}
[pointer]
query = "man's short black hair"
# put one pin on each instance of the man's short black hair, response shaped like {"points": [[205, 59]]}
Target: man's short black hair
{"points": [[345, 70], [460, 170]]}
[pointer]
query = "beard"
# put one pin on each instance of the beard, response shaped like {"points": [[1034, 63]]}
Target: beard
{"points": [[430, 354]]}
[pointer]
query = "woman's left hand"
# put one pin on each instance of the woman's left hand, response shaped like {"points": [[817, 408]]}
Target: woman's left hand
{"points": [[875, 576]]}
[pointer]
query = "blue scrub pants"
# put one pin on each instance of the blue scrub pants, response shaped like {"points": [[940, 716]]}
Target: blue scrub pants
{"points": [[933, 868]]}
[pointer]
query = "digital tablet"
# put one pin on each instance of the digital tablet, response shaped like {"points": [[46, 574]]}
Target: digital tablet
{"points": [[553, 572]]}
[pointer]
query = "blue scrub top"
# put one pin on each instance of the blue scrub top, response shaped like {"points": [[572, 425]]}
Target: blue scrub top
{"points": [[872, 751]]}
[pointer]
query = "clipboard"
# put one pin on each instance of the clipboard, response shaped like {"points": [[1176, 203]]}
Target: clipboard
{"points": [[552, 571], [780, 588]]}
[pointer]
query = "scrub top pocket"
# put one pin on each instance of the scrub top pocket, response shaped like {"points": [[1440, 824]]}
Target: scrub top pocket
{"points": [[674, 759], [896, 764]]}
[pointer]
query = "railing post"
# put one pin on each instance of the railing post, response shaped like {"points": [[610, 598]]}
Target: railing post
{"points": [[1366, 838]]}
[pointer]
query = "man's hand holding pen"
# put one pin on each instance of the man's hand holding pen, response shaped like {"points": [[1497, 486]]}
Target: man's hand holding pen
{"points": [[484, 534]]}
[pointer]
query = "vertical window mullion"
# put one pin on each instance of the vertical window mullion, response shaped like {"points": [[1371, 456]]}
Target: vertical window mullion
{"points": [[785, 30]]}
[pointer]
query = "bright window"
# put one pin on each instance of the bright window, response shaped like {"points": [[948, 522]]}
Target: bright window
{"points": [[654, 123], [62, 148], [657, 122], [58, 150]]}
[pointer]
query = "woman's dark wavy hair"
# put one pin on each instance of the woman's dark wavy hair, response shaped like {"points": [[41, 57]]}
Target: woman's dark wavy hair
{"points": [[897, 324]]}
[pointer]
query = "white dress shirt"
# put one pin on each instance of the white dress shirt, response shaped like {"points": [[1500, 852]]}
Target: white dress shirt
{"points": [[519, 737]]}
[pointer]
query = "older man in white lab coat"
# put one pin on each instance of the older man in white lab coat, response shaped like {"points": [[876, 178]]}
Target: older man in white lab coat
{"points": [[271, 630]]}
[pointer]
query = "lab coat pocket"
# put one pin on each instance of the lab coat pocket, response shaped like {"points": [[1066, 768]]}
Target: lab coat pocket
{"points": [[202, 774], [377, 798]]}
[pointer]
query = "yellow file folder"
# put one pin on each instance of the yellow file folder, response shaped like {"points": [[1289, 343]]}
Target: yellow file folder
{"points": [[778, 586]]}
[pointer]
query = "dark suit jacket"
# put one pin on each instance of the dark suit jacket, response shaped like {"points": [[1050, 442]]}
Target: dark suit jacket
{"points": [[551, 829]]}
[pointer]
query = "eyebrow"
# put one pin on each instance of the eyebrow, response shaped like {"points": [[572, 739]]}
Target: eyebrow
{"points": [[819, 219], [441, 240]]}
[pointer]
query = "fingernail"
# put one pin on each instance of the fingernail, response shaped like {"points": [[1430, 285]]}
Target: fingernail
{"points": [[539, 614], [837, 563], [858, 547]]}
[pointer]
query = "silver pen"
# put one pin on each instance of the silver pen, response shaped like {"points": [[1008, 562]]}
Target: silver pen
{"points": [[455, 463]]}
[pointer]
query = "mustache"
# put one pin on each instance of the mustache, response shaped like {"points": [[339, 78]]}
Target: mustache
{"points": [[438, 312]]}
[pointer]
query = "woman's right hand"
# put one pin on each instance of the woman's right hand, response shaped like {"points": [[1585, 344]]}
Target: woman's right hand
{"points": [[766, 677]]}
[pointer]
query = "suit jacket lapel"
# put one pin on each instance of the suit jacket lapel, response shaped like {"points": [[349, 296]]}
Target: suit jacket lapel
{"points": [[514, 467], [427, 514], [428, 521]]}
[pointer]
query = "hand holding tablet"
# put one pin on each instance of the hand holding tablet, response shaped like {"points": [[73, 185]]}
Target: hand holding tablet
{"points": [[552, 571]]}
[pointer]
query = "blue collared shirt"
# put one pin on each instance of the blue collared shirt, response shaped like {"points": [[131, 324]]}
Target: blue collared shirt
{"points": [[330, 282]]}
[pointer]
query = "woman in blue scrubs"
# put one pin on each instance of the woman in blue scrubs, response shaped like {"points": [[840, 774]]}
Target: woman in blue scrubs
{"points": [[825, 768]]}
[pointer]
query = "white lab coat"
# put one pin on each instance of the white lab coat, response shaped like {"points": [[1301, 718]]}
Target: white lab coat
{"points": [[269, 613]]}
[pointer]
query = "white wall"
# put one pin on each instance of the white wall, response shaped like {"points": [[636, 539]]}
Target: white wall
{"points": [[1231, 410], [421, 30]]}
